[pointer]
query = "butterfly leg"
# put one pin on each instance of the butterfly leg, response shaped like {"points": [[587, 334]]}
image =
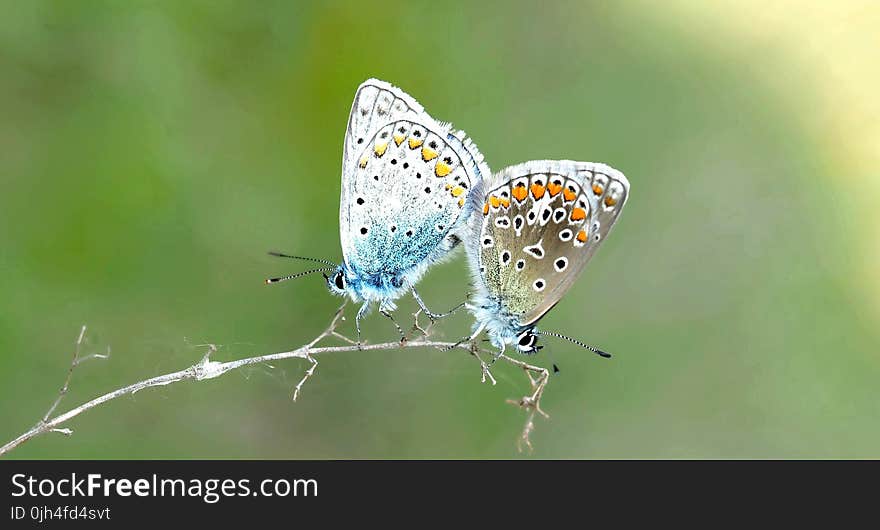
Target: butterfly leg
{"points": [[499, 354], [486, 374], [433, 316], [396, 325], [466, 339], [357, 322]]}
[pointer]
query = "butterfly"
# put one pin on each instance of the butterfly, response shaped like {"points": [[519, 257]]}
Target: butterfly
{"points": [[408, 186], [541, 222]]}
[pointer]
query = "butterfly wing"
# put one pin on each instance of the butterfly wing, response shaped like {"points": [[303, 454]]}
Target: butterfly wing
{"points": [[541, 223], [375, 104], [407, 183]]}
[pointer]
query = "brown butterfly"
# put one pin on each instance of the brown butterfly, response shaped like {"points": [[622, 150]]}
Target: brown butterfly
{"points": [[540, 224]]}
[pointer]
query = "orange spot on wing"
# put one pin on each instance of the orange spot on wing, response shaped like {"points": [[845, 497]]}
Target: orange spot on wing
{"points": [[380, 149], [554, 189], [414, 143], [398, 139], [428, 154], [519, 192], [568, 195], [461, 202], [597, 189], [582, 236], [442, 169], [457, 191], [609, 201], [486, 209], [494, 201], [363, 162], [537, 191], [505, 202], [578, 214]]}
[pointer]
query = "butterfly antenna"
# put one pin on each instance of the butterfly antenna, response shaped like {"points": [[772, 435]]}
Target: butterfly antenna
{"points": [[597, 351], [316, 260], [294, 276]]}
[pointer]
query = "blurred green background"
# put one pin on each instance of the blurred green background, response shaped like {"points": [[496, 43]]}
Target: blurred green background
{"points": [[152, 152]]}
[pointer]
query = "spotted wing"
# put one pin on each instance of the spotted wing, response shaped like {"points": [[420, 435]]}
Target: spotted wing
{"points": [[541, 223], [376, 103], [408, 189]]}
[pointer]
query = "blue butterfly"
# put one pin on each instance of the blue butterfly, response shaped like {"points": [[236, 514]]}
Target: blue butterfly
{"points": [[408, 189]]}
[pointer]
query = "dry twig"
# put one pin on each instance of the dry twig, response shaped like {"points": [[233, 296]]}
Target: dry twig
{"points": [[208, 369]]}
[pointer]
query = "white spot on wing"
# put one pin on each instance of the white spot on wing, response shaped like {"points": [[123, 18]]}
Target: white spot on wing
{"points": [[560, 264], [536, 250], [502, 222], [518, 223]]}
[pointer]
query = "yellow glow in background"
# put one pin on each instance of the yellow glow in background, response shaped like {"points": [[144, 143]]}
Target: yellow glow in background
{"points": [[823, 58]]}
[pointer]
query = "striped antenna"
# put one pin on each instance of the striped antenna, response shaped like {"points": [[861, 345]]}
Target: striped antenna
{"points": [[294, 276], [597, 351], [316, 260]]}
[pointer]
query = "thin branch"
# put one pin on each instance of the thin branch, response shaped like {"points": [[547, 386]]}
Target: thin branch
{"points": [[73, 364], [207, 369]]}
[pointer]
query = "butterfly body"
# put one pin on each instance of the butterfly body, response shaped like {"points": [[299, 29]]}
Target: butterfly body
{"points": [[408, 186], [540, 223]]}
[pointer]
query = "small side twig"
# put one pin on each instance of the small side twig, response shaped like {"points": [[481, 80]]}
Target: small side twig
{"points": [[484, 367], [426, 331], [329, 332], [77, 360], [309, 373], [532, 402]]}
